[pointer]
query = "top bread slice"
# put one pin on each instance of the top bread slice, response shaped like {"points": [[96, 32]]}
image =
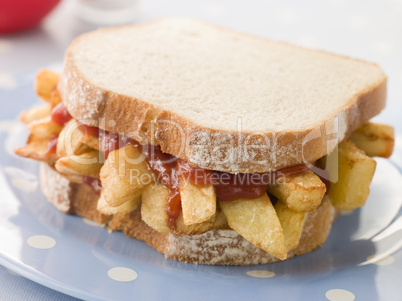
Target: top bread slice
{"points": [[220, 99]]}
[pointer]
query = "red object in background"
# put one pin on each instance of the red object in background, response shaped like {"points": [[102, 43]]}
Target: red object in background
{"points": [[17, 15]]}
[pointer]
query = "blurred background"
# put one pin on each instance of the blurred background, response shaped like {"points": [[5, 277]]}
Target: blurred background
{"points": [[34, 34], [366, 29]]}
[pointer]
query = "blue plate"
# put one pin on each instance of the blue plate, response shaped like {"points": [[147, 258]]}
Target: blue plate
{"points": [[361, 257]]}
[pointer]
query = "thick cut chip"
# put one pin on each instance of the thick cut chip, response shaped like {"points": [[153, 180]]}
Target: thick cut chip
{"points": [[292, 224], [86, 164], [35, 113], [256, 221], [376, 140], [45, 83], [90, 140], [355, 171], [124, 175], [216, 221], [300, 193], [182, 229], [55, 98], [44, 128], [220, 222], [37, 149], [154, 205], [154, 213], [70, 141], [74, 178], [198, 203], [104, 208]]}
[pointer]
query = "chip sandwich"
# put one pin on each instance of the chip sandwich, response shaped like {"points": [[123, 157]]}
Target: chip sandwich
{"points": [[212, 146]]}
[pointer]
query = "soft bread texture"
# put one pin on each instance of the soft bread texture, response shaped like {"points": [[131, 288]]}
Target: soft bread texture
{"points": [[219, 99], [216, 247]]}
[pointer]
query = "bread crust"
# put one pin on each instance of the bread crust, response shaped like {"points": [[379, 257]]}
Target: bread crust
{"points": [[215, 247], [211, 148]]}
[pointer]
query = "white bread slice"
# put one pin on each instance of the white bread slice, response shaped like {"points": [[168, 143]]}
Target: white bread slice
{"points": [[220, 99], [216, 247]]}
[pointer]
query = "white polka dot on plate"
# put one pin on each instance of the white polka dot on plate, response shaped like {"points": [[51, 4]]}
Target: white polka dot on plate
{"points": [[339, 295], [41, 242], [122, 274], [388, 260], [261, 274], [358, 22], [91, 222], [7, 81], [5, 45], [24, 184]]}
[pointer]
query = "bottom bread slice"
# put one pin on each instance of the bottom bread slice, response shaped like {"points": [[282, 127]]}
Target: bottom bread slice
{"points": [[215, 247]]}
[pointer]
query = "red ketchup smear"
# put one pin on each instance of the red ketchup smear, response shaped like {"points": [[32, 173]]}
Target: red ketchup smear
{"points": [[89, 130], [197, 176], [51, 146], [169, 169], [108, 141], [111, 141], [61, 116], [94, 183], [292, 171], [230, 187], [164, 166]]}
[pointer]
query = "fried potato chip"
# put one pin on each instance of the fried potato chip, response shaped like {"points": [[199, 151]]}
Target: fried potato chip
{"points": [[256, 220], [46, 82], [37, 149], [153, 207], [86, 164], [35, 113], [55, 98], [124, 175], [44, 127], [70, 141], [104, 208], [198, 203], [354, 171], [292, 224], [376, 140], [300, 193]]}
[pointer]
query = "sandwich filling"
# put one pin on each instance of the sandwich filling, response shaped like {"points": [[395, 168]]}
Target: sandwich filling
{"points": [[169, 170], [268, 209]]}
